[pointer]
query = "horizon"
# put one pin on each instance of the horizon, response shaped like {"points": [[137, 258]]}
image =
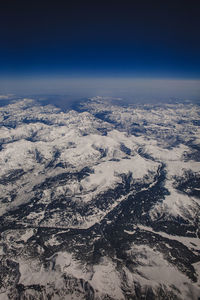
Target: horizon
{"points": [[124, 87]]}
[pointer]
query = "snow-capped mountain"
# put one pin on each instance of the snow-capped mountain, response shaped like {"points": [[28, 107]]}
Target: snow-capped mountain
{"points": [[99, 202]]}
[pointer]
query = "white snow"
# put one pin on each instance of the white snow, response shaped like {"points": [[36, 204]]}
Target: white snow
{"points": [[103, 277], [106, 279], [190, 242], [107, 173], [4, 296], [129, 232], [176, 204], [28, 233], [77, 140], [153, 270]]}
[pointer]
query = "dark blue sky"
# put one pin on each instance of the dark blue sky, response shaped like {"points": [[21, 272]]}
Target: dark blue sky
{"points": [[97, 38]]}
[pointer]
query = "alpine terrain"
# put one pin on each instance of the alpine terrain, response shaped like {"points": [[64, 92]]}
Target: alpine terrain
{"points": [[100, 202]]}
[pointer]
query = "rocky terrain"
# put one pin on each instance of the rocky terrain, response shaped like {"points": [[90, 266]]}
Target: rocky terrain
{"points": [[99, 202]]}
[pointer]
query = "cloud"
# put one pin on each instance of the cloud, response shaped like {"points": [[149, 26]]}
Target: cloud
{"points": [[4, 97]]}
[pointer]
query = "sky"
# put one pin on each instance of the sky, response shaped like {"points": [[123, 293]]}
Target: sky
{"points": [[99, 39]]}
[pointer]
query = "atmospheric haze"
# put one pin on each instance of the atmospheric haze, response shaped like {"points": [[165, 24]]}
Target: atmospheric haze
{"points": [[132, 89]]}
